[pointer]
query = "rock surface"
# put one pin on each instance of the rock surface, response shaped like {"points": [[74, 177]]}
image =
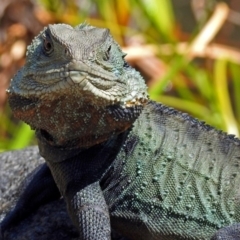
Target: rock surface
{"points": [[51, 221]]}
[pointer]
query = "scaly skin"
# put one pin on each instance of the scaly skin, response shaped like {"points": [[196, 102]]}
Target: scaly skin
{"points": [[119, 160]]}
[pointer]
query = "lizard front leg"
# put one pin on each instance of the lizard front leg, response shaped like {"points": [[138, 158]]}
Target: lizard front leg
{"points": [[40, 190], [231, 232], [89, 212]]}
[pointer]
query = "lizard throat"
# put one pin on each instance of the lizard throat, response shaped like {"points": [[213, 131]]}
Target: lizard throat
{"points": [[88, 139], [74, 123]]}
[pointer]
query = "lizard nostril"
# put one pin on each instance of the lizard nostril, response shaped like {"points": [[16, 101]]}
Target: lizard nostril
{"points": [[67, 52]]}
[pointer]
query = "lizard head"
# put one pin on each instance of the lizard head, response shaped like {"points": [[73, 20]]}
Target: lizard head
{"points": [[72, 78]]}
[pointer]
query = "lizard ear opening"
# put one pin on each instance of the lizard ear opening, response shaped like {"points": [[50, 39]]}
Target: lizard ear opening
{"points": [[46, 135]]}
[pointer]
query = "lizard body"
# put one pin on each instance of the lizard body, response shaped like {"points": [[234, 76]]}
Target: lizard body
{"points": [[119, 160]]}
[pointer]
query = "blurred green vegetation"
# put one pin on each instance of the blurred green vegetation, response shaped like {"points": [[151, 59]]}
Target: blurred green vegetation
{"points": [[204, 85]]}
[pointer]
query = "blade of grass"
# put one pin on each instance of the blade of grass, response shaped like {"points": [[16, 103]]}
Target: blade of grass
{"points": [[202, 81], [193, 108], [235, 74], [211, 28], [221, 86], [181, 86], [108, 12], [161, 15], [176, 64]]}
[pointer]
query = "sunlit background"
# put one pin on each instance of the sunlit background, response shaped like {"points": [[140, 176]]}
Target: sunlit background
{"points": [[188, 51]]}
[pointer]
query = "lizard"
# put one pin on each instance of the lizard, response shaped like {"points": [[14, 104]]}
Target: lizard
{"points": [[119, 160]]}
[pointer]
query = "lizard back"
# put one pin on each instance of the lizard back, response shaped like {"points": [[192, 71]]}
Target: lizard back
{"points": [[174, 176]]}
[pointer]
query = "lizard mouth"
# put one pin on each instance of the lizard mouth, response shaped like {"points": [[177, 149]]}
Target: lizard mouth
{"points": [[85, 69], [109, 91], [78, 79], [103, 84]]}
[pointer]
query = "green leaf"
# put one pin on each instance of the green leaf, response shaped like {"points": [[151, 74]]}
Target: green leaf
{"points": [[23, 137]]}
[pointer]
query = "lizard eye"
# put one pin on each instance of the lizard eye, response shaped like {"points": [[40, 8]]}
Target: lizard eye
{"points": [[106, 56], [47, 46]]}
